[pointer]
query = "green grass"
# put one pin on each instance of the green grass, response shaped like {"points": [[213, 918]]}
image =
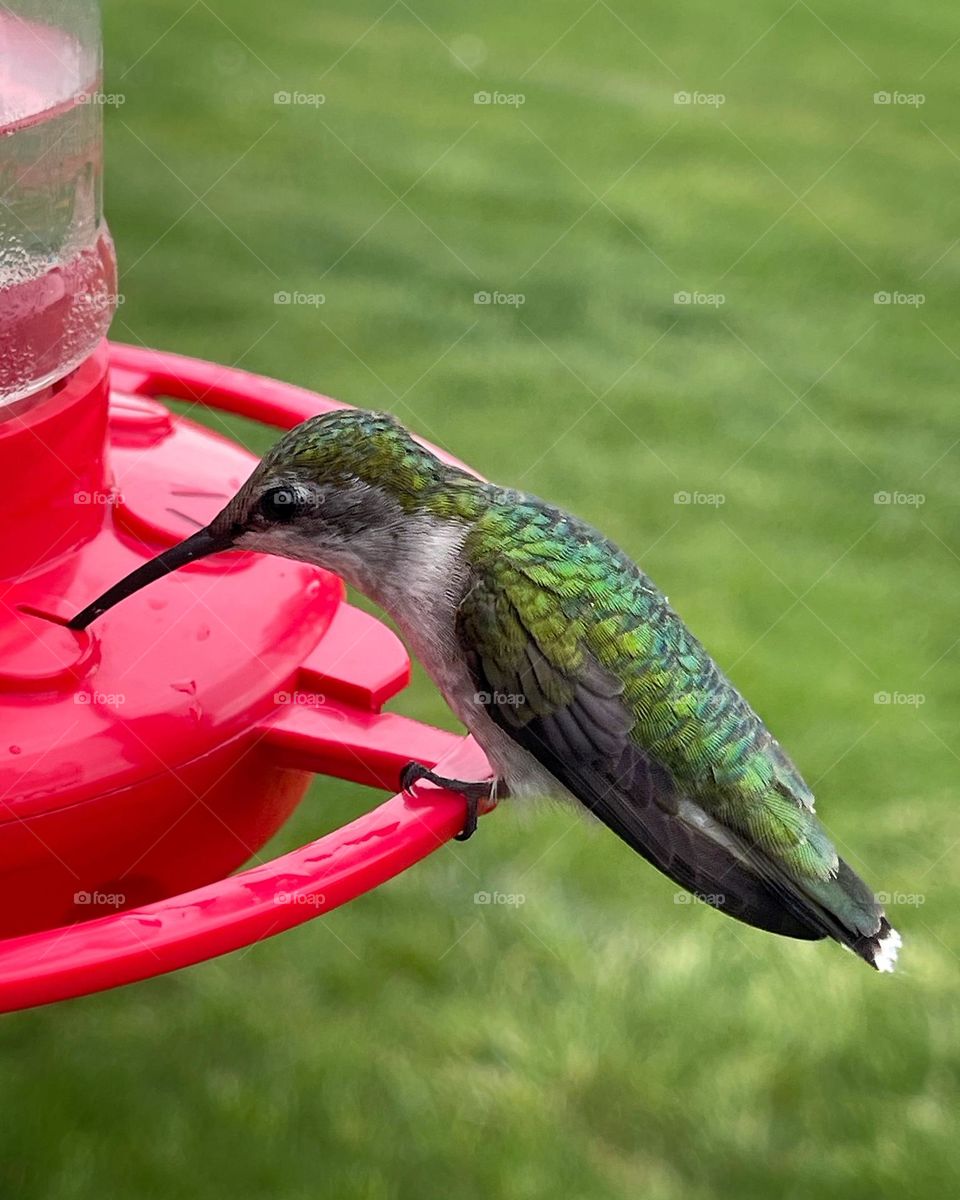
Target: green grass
{"points": [[598, 1041]]}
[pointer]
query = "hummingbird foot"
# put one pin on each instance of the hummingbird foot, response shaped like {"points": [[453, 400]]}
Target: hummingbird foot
{"points": [[473, 793]]}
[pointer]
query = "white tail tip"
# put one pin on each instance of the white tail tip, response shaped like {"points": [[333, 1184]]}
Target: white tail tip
{"points": [[885, 958]]}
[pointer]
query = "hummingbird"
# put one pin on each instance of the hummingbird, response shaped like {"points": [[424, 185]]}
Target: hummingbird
{"points": [[563, 660]]}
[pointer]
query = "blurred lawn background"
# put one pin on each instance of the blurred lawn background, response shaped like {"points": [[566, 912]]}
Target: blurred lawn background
{"points": [[599, 1040]]}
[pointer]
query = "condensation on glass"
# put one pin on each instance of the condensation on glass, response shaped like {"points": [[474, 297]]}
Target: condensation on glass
{"points": [[57, 266]]}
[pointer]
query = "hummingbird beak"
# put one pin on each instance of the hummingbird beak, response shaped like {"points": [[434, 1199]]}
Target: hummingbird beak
{"points": [[199, 545]]}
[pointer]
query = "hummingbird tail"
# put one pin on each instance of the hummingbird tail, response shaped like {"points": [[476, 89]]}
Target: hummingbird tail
{"points": [[740, 878], [839, 905], [855, 918]]}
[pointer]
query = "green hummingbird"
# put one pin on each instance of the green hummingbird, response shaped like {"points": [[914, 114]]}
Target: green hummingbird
{"points": [[563, 660]]}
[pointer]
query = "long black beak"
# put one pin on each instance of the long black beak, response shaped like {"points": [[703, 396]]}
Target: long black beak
{"points": [[199, 545]]}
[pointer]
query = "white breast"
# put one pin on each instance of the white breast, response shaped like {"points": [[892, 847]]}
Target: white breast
{"points": [[424, 607]]}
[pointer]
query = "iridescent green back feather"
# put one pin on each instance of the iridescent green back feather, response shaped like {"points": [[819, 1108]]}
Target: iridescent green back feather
{"points": [[581, 599]]}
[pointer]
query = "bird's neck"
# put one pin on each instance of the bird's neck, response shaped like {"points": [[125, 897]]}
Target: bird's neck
{"points": [[415, 573]]}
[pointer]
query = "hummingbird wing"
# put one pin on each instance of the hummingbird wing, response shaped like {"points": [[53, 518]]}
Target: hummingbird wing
{"points": [[578, 657]]}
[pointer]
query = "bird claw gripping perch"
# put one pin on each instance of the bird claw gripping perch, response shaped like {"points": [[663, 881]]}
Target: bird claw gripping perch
{"points": [[472, 792]]}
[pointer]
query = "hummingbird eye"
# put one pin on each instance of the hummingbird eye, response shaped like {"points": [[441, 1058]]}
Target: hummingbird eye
{"points": [[281, 504]]}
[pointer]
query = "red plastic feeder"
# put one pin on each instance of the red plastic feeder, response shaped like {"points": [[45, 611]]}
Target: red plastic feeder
{"points": [[143, 760]]}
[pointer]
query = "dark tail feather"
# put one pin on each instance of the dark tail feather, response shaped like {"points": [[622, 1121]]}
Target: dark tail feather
{"points": [[702, 866], [852, 915], [751, 888], [742, 881]]}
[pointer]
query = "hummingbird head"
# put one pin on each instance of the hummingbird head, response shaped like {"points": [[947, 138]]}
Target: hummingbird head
{"points": [[351, 491]]}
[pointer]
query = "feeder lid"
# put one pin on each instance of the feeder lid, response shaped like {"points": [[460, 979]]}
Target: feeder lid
{"points": [[178, 668]]}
